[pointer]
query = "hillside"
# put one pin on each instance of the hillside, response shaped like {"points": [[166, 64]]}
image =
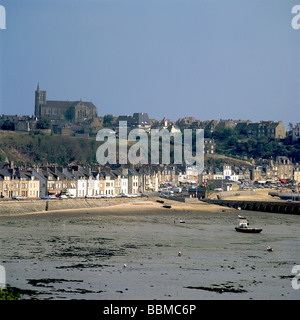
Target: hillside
{"points": [[31, 148], [219, 158], [229, 143], [38, 147]]}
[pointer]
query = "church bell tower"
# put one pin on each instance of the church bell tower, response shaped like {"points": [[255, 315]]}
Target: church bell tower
{"points": [[40, 101]]}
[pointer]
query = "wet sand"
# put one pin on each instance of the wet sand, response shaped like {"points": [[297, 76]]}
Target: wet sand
{"points": [[130, 251], [121, 206]]}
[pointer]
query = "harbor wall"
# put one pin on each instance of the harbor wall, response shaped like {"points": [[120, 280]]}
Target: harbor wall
{"points": [[228, 194], [30, 206], [263, 206]]}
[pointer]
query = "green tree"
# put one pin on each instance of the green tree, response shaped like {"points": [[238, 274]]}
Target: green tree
{"points": [[107, 120], [233, 141], [7, 125], [43, 123]]}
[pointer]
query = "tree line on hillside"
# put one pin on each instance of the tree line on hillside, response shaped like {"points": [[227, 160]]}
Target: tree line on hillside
{"points": [[42, 123], [42, 148], [229, 143]]}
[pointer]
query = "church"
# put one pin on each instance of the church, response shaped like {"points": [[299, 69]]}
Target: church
{"points": [[74, 111]]}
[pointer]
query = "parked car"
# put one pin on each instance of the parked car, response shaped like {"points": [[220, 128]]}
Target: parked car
{"points": [[123, 195], [19, 198], [144, 195]]}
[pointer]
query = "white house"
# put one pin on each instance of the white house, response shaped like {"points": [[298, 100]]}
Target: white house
{"points": [[124, 185], [192, 174], [217, 174], [234, 176], [90, 185], [96, 183], [226, 172], [108, 184], [81, 184]]}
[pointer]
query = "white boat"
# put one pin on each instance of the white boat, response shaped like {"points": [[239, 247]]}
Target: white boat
{"points": [[243, 226]]}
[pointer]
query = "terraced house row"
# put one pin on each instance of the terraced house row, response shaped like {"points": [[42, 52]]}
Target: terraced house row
{"points": [[78, 181], [18, 184]]}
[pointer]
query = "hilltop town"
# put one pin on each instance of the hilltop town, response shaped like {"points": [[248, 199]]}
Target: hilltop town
{"points": [[52, 153]]}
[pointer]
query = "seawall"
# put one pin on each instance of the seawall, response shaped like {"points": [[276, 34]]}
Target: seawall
{"points": [[263, 206], [228, 194], [30, 206]]}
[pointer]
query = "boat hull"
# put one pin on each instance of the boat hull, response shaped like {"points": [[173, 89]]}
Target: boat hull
{"points": [[248, 230]]}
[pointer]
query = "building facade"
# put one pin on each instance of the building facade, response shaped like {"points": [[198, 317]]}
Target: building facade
{"points": [[74, 111], [296, 132]]}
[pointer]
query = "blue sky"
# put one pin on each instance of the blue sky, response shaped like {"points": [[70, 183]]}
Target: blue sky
{"points": [[211, 59]]}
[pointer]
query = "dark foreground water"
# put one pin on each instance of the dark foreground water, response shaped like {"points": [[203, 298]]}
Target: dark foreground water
{"points": [[82, 256]]}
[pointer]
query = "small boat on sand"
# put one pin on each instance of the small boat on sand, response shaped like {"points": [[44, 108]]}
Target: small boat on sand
{"points": [[243, 226]]}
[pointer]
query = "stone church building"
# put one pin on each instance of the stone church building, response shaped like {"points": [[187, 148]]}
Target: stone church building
{"points": [[74, 111]]}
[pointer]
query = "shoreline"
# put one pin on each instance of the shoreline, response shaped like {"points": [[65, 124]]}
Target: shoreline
{"points": [[134, 206], [118, 205]]}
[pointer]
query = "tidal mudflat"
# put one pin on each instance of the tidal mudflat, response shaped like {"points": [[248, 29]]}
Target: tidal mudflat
{"points": [[131, 251]]}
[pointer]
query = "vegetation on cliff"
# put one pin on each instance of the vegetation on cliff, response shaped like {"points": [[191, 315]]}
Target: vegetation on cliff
{"points": [[37, 147], [229, 143]]}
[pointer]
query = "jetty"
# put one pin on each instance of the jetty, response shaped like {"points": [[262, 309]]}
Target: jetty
{"points": [[263, 206]]}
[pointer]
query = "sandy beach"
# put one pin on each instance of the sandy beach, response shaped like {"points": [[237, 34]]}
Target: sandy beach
{"points": [[125, 205]]}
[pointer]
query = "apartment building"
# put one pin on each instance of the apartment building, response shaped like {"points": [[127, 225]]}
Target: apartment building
{"points": [[18, 184]]}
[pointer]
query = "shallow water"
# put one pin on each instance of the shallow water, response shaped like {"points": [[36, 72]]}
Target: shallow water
{"points": [[82, 256]]}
